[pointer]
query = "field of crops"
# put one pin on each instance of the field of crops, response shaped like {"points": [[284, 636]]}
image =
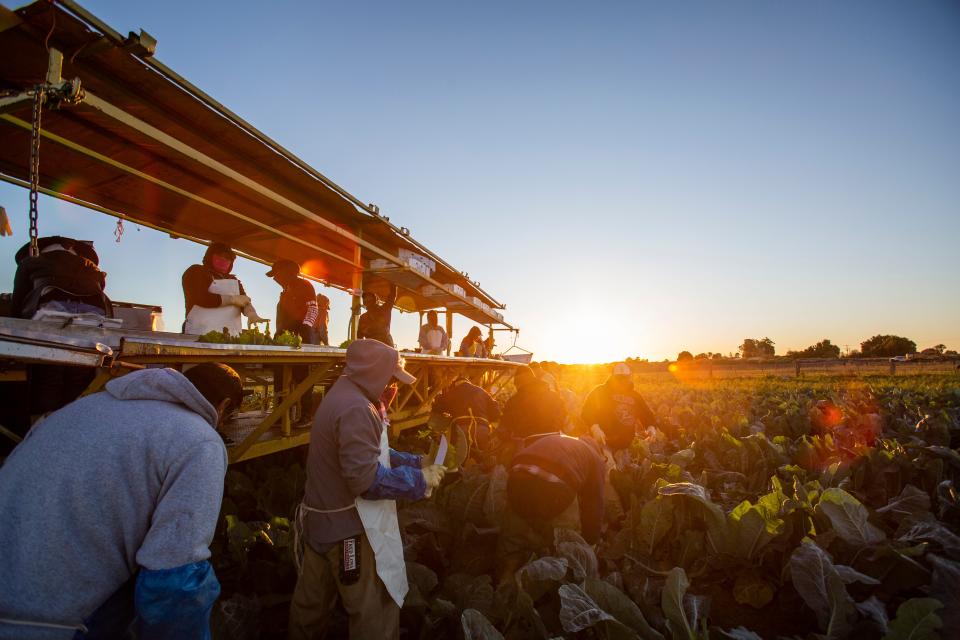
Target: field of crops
{"points": [[761, 508]]}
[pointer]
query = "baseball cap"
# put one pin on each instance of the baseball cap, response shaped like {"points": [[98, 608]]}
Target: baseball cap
{"points": [[622, 369], [402, 374], [281, 266]]}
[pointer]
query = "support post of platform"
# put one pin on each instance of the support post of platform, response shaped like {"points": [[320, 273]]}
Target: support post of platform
{"points": [[357, 285], [449, 315]]}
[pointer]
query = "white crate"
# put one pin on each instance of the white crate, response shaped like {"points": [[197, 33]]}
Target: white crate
{"points": [[408, 255], [458, 290], [419, 267], [430, 290]]}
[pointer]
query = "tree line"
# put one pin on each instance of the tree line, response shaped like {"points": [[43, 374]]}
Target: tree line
{"points": [[878, 346]]}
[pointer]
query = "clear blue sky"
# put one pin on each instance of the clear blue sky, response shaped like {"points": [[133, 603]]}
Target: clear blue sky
{"points": [[631, 178]]}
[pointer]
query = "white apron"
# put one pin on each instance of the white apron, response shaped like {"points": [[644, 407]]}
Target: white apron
{"points": [[380, 523], [200, 320]]}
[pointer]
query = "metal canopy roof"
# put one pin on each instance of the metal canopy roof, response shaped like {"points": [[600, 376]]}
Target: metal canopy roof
{"points": [[146, 145]]}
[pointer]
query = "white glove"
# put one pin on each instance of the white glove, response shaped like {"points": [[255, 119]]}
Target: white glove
{"points": [[252, 315], [433, 475], [598, 435], [237, 301]]}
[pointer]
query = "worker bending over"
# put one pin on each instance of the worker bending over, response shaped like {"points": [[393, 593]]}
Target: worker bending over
{"points": [[617, 409], [556, 481], [469, 407], [109, 507], [534, 409], [349, 512]]}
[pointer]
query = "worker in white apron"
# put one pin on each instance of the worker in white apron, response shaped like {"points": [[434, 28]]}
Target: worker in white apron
{"points": [[433, 338], [348, 518], [214, 298]]}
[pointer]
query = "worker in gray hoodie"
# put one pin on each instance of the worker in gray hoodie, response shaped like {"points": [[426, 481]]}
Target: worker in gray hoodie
{"points": [[349, 515], [109, 506]]}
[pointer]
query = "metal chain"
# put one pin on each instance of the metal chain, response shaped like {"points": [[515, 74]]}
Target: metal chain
{"points": [[38, 99]]}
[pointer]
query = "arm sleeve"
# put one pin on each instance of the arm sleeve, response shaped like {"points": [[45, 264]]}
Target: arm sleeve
{"points": [[185, 517], [404, 459], [175, 603], [313, 310], [644, 413], [422, 338], [196, 284], [401, 483], [362, 325], [359, 441], [493, 409], [591, 411], [591, 501], [391, 298]]}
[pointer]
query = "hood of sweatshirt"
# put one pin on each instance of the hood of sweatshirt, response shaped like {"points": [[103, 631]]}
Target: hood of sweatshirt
{"points": [[370, 365], [166, 385]]}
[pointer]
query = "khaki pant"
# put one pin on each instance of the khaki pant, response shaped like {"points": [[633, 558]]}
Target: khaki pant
{"points": [[373, 613]]}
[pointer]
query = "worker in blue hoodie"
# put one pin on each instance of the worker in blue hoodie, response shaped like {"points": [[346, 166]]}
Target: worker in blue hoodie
{"points": [[109, 506], [352, 549]]}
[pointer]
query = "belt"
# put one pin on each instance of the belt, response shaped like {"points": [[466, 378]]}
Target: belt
{"points": [[534, 470]]}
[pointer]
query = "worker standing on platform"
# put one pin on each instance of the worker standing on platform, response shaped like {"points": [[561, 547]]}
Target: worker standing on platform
{"points": [[297, 309], [109, 506], [348, 517], [214, 297], [374, 323], [473, 344], [554, 481], [323, 319], [297, 313], [433, 338]]}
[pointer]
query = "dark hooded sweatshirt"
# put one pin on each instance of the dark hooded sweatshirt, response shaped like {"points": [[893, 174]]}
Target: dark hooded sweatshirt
{"points": [[580, 467], [342, 463], [618, 411]]}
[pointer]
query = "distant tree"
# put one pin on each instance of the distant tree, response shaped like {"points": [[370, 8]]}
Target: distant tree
{"points": [[684, 355], [757, 348], [883, 346], [823, 349], [940, 348], [702, 356]]}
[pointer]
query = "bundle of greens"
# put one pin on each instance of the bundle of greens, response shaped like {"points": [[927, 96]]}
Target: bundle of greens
{"points": [[252, 336]]}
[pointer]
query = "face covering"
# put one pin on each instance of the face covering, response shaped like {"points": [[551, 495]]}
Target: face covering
{"points": [[388, 394], [221, 264]]}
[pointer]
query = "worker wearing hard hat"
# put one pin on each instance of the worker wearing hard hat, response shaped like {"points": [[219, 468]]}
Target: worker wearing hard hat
{"points": [[348, 517], [214, 298]]}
